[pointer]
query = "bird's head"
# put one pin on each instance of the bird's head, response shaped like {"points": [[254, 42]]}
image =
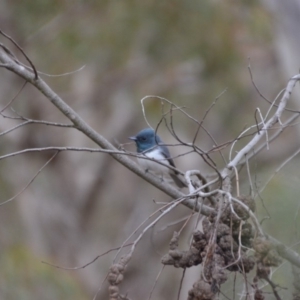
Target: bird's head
{"points": [[145, 140]]}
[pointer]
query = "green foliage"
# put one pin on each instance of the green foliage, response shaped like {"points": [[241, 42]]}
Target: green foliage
{"points": [[23, 276]]}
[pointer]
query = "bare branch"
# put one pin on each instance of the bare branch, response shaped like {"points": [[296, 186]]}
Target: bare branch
{"points": [[22, 51], [274, 119], [9, 62], [90, 132]]}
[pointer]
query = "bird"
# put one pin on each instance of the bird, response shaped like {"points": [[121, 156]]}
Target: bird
{"points": [[148, 143]]}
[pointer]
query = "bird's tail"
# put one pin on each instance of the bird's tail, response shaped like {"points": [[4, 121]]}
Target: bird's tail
{"points": [[180, 182]]}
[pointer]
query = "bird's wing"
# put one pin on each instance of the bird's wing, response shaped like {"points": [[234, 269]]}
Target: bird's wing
{"points": [[173, 173], [166, 153]]}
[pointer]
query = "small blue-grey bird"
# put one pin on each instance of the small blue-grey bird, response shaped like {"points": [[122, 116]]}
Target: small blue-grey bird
{"points": [[149, 144]]}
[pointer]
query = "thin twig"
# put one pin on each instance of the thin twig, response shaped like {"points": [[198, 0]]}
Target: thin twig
{"points": [[279, 168], [14, 98], [260, 94], [155, 282], [275, 118], [31, 180], [87, 264], [181, 282], [206, 113], [22, 51]]}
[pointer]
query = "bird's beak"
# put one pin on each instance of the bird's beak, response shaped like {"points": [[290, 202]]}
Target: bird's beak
{"points": [[133, 138]]}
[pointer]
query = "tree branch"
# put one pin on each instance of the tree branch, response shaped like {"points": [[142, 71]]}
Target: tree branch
{"points": [[82, 126], [11, 64]]}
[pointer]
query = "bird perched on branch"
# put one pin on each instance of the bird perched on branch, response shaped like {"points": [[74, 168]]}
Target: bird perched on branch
{"points": [[149, 144]]}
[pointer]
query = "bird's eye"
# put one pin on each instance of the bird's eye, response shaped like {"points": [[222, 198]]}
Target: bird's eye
{"points": [[143, 138]]}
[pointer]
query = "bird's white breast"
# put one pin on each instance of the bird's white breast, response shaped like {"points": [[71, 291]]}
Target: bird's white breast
{"points": [[152, 165]]}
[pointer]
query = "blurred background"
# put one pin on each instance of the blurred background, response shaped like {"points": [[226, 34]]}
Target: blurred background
{"points": [[84, 204]]}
